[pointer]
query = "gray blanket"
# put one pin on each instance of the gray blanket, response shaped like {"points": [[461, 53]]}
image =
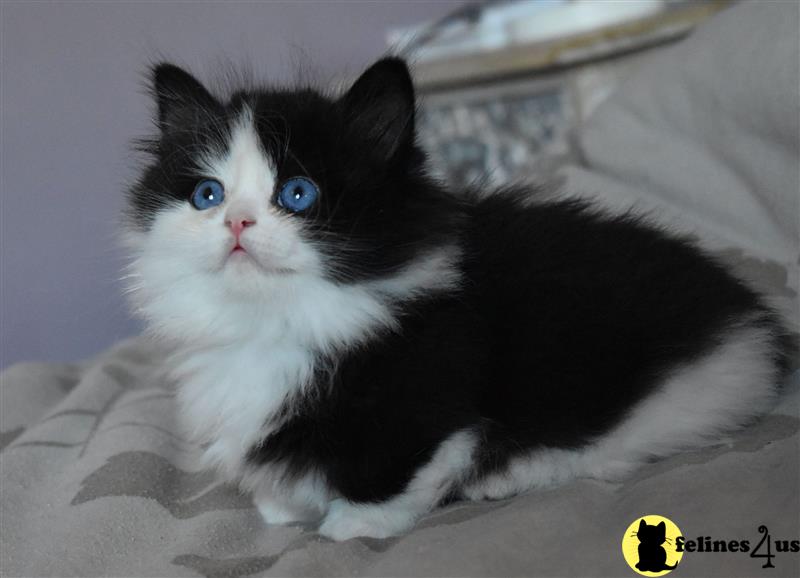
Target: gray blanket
{"points": [[97, 480]]}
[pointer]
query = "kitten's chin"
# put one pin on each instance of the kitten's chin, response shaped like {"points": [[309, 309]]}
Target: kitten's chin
{"points": [[244, 274]]}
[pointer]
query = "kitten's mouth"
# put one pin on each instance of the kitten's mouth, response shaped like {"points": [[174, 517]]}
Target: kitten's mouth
{"points": [[238, 252]]}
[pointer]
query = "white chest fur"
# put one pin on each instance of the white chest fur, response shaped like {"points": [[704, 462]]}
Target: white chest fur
{"points": [[242, 350], [228, 396]]}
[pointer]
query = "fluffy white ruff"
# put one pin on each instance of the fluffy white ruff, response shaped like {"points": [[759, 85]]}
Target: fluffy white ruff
{"points": [[237, 361]]}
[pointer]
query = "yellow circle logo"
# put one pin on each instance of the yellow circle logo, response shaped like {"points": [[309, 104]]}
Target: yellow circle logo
{"points": [[649, 545]]}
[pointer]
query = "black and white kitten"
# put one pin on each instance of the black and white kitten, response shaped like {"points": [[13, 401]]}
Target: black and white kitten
{"points": [[354, 343]]}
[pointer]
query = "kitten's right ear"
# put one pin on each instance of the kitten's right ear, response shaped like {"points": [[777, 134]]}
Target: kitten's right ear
{"points": [[179, 96], [642, 525]]}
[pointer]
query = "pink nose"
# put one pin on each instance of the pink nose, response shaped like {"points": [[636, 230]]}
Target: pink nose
{"points": [[239, 225]]}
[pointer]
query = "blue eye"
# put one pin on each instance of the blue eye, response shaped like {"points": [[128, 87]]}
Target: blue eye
{"points": [[208, 193], [297, 194]]}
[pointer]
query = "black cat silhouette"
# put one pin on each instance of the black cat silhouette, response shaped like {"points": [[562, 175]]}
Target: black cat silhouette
{"points": [[652, 557]]}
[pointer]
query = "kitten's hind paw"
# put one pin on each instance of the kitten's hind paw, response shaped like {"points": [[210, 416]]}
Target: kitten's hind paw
{"points": [[346, 520]]}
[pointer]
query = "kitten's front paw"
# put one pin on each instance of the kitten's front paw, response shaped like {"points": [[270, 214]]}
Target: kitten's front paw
{"points": [[345, 520]]}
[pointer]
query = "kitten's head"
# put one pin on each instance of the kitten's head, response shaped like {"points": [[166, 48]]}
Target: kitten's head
{"points": [[256, 193]]}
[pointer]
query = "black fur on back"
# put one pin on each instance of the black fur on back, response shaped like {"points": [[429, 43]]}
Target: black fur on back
{"points": [[567, 319]]}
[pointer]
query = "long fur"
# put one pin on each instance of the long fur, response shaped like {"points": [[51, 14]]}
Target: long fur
{"points": [[399, 344]]}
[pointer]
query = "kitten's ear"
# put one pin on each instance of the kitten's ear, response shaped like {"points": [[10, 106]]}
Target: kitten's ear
{"points": [[662, 527], [642, 525], [179, 96], [380, 105]]}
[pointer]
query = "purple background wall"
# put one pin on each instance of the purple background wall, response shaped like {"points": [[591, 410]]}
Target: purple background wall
{"points": [[71, 101]]}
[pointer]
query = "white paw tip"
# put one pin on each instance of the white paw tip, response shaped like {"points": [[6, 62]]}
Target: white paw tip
{"points": [[345, 521]]}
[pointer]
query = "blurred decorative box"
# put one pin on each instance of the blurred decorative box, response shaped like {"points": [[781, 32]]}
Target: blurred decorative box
{"points": [[503, 85]]}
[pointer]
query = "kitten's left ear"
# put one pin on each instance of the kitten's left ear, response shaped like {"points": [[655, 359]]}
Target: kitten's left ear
{"points": [[380, 105]]}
